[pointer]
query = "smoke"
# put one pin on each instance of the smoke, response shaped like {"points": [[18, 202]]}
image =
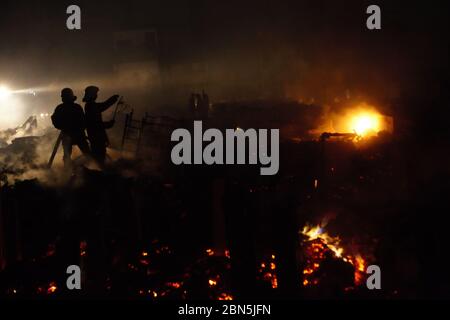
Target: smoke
{"points": [[234, 51]]}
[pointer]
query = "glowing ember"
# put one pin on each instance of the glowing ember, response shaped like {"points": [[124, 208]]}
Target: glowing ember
{"points": [[83, 247], [144, 258], [225, 296], [144, 262], [52, 288], [268, 272], [51, 250], [212, 282], [174, 285]]}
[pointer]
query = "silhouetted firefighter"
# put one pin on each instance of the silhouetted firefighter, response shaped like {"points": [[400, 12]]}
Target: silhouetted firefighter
{"points": [[192, 105], [96, 128], [69, 118], [199, 106], [203, 106]]}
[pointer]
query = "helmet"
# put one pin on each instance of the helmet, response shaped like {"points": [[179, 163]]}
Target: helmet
{"points": [[90, 93], [67, 95]]}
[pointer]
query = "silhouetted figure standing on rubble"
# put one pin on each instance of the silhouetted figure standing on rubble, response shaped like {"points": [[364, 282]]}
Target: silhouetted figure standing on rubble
{"points": [[199, 106], [198, 99], [96, 128], [203, 106], [70, 119], [192, 105]]}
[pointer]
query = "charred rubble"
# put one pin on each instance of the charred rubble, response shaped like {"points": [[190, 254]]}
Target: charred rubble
{"points": [[217, 233]]}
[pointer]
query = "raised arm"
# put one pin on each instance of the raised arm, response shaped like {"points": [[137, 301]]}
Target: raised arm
{"points": [[103, 106]]}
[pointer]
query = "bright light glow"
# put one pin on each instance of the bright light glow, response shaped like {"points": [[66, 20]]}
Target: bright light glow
{"points": [[361, 119], [13, 112], [4, 92], [365, 123]]}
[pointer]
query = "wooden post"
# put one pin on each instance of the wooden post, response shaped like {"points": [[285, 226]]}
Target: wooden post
{"points": [[140, 134], [128, 120], [55, 150]]}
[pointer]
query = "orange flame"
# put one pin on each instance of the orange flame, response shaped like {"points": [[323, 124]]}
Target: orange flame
{"points": [[365, 123], [225, 296], [318, 241]]}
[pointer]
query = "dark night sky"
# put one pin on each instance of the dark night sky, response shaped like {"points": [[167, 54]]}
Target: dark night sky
{"points": [[328, 36]]}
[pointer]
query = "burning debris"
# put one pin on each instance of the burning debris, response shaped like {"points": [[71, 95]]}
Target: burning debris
{"points": [[365, 123], [309, 73], [267, 271], [321, 249], [161, 270], [356, 123], [207, 276]]}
